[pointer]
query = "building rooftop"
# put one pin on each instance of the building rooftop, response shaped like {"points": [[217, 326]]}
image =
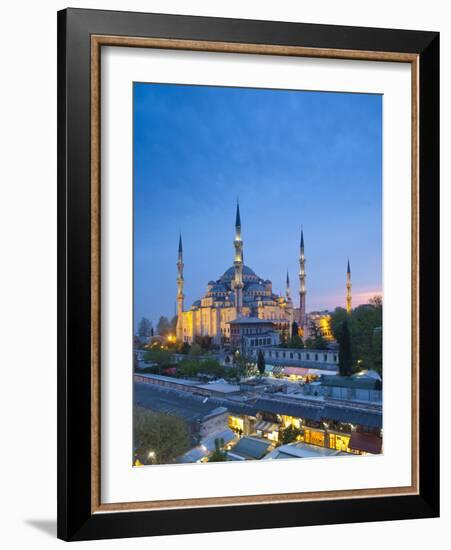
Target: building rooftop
{"points": [[299, 406], [250, 448], [207, 446], [170, 379], [358, 382], [302, 450], [220, 387], [250, 320], [189, 407]]}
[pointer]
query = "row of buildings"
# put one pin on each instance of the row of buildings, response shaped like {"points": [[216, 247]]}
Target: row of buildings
{"points": [[333, 413]]}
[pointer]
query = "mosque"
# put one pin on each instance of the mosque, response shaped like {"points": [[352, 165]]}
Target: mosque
{"points": [[238, 295]]}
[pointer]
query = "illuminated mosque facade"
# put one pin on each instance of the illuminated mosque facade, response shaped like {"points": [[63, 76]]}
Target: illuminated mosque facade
{"points": [[238, 294]]}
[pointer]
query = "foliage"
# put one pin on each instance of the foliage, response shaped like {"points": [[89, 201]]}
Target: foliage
{"points": [[150, 369], [165, 437], [245, 366], [191, 368], [316, 341], [184, 348], [290, 434], [144, 328], [162, 358], [212, 367], [296, 342], [294, 330], [365, 328], [231, 373], [195, 350], [188, 368], [174, 324], [261, 362], [345, 354], [218, 454], [164, 326], [205, 342]]}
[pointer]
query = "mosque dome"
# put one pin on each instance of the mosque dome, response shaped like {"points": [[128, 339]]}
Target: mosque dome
{"points": [[248, 275], [217, 287]]}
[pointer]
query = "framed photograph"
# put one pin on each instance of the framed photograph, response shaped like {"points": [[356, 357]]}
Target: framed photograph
{"points": [[248, 274]]}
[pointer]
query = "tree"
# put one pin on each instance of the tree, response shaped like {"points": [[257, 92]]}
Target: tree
{"points": [[317, 341], [174, 324], [144, 328], [188, 368], [184, 348], [376, 301], [261, 362], [337, 319], [245, 366], [218, 454], [367, 336], [212, 367], [377, 350], [345, 355], [290, 434], [158, 438], [162, 358], [294, 330], [195, 350], [297, 342], [365, 330], [320, 342], [163, 326], [231, 373]]}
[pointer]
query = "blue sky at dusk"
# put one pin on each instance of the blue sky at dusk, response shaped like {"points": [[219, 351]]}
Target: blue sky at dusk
{"points": [[293, 158]]}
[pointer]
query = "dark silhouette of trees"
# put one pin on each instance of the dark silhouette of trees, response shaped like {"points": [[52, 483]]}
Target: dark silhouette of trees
{"points": [[144, 328], [345, 354], [261, 362]]}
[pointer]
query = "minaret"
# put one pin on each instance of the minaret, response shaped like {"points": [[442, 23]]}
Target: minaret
{"points": [[348, 289], [288, 289], [238, 263], [302, 291], [180, 295], [289, 306]]}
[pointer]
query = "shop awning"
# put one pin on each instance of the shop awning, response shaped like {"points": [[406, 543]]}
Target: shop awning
{"points": [[296, 371], [266, 426], [368, 443]]}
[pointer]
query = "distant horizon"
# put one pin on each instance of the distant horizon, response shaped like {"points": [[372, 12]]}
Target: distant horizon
{"points": [[294, 158]]}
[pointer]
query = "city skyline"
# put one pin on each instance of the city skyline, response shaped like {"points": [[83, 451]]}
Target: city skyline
{"points": [[198, 148]]}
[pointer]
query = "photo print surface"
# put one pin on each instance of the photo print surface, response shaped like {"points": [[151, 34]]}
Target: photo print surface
{"points": [[257, 274]]}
